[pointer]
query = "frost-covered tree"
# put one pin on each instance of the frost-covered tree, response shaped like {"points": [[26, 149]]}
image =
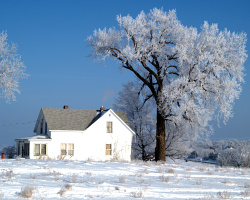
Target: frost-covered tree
{"points": [[234, 153], [140, 118], [191, 75], [11, 69]]}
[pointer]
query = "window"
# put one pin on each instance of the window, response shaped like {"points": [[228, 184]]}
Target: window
{"points": [[63, 149], [40, 150], [67, 149], [108, 150], [109, 127], [46, 127], [71, 149], [41, 126]]}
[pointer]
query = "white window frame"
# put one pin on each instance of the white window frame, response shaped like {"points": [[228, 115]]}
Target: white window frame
{"points": [[40, 149], [109, 127], [108, 150], [62, 149], [69, 151]]}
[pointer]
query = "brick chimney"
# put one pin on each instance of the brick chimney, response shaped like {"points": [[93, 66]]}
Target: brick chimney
{"points": [[65, 107], [102, 109]]}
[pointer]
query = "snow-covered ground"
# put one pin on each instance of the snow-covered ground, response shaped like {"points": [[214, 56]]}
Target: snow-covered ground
{"points": [[50, 179]]}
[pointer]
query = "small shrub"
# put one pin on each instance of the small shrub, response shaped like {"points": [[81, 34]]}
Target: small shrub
{"points": [[33, 176], [159, 163], [193, 155], [228, 182], [18, 158], [144, 182], [9, 151], [8, 174], [68, 187], [122, 179], [27, 192], [224, 195], [210, 172], [201, 169], [89, 173], [74, 178], [138, 194], [199, 182], [209, 197], [140, 175], [90, 196], [64, 189], [217, 170], [54, 173], [189, 170], [161, 170], [164, 179], [148, 164], [246, 185], [244, 173], [60, 157], [171, 171], [245, 193], [187, 176], [1, 195], [212, 156], [117, 188]]}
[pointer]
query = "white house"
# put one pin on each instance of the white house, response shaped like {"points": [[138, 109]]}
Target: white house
{"points": [[79, 134]]}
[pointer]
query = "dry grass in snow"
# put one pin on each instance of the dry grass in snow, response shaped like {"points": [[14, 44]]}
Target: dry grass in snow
{"points": [[63, 179]]}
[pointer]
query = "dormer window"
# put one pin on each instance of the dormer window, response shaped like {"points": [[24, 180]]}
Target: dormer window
{"points": [[41, 126], [109, 127], [46, 127]]}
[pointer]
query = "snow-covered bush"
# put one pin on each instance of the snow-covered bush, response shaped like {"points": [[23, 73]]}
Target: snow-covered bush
{"points": [[9, 151], [238, 157], [227, 152]]}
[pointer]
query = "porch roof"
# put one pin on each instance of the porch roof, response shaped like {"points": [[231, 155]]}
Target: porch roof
{"points": [[36, 137]]}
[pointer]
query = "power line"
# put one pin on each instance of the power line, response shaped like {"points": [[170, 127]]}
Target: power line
{"points": [[14, 124]]}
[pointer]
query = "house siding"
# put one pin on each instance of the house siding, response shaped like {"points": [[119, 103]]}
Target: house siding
{"points": [[91, 143]]}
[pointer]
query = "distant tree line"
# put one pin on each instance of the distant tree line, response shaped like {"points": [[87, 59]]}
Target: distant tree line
{"points": [[234, 152]]}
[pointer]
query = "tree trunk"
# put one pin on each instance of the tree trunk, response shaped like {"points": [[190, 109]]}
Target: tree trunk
{"points": [[160, 138]]}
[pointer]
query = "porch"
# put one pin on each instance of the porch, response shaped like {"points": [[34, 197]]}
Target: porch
{"points": [[32, 147]]}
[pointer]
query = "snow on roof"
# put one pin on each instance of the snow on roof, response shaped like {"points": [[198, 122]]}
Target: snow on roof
{"points": [[36, 137]]}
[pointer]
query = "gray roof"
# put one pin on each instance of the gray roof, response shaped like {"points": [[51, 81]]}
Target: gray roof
{"points": [[73, 119]]}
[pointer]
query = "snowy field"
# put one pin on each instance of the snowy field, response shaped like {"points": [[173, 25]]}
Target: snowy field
{"points": [[50, 179]]}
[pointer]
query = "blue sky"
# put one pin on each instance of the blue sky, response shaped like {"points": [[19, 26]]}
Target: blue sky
{"points": [[51, 38]]}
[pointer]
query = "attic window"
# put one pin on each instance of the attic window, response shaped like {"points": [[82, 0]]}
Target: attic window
{"points": [[46, 127], [109, 127], [41, 126]]}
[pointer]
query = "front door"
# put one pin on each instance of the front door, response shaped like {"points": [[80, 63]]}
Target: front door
{"points": [[23, 149], [26, 150]]}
